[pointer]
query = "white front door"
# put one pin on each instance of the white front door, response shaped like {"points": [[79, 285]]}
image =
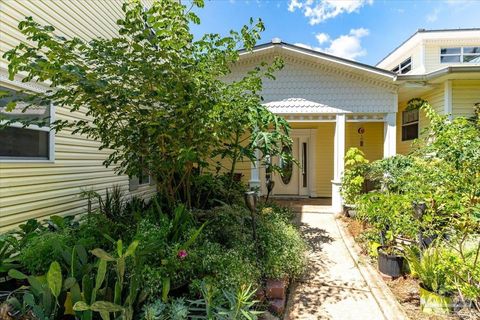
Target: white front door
{"points": [[288, 182], [295, 180]]}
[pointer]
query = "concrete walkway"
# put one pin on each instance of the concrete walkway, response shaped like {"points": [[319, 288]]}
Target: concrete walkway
{"points": [[333, 287]]}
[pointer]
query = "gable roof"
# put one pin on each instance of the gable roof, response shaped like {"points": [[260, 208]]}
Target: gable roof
{"points": [[424, 31], [278, 44]]}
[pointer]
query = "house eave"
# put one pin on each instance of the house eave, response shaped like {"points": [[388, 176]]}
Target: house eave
{"points": [[447, 71], [385, 74]]}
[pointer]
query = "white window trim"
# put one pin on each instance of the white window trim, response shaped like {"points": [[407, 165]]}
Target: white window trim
{"points": [[461, 54], [51, 141], [400, 68]]}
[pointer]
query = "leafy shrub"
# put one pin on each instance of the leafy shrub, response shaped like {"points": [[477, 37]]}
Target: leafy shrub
{"points": [[390, 173], [354, 175], [388, 212], [227, 267], [92, 230], [272, 209], [228, 225], [431, 268], [40, 251], [282, 246], [210, 190]]}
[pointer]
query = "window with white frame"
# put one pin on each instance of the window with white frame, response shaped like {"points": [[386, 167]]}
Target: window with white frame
{"points": [[460, 55], [404, 67], [142, 180], [410, 124], [32, 143]]}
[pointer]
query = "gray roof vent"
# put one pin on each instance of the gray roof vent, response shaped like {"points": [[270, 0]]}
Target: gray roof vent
{"points": [[276, 40]]}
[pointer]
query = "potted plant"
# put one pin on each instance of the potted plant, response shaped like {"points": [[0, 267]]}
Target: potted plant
{"points": [[390, 257], [353, 179], [429, 268]]}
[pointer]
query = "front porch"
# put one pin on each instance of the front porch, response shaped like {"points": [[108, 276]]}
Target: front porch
{"points": [[320, 143]]}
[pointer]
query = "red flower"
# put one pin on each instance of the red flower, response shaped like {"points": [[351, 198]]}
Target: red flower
{"points": [[182, 254]]}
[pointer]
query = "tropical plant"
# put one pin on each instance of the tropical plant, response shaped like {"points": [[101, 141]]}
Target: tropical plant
{"points": [[354, 175], [225, 304], [430, 268], [165, 88], [8, 250]]}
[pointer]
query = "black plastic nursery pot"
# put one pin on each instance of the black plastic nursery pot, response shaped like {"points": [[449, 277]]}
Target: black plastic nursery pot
{"points": [[7, 283], [390, 264]]}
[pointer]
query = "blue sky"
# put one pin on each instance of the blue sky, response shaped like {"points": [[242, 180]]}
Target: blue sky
{"points": [[362, 30]]}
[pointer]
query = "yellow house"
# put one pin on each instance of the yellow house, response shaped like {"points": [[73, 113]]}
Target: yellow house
{"points": [[331, 103]]}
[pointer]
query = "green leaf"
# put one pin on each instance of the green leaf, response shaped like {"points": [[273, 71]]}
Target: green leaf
{"points": [[10, 106], [81, 306], [15, 274], [102, 270], [102, 254], [132, 248], [54, 278], [69, 283], [165, 289], [105, 306], [119, 247]]}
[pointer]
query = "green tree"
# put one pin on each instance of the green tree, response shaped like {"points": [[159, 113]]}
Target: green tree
{"points": [[154, 94]]}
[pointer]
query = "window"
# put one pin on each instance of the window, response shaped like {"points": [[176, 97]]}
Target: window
{"points": [[409, 125], [403, 67], [144, 178], [460, 55], [25, 144]]}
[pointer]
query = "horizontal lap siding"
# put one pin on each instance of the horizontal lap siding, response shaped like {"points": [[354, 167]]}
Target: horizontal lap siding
{"points": [[465, 94], [39, 190], [436, 99], [432, 54]]}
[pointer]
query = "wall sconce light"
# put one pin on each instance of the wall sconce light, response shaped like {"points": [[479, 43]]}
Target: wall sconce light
{"points": [[361, 131]]}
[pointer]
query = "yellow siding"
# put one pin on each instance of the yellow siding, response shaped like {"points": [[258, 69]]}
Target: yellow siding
{"points": [[36, 189], [372, 138], [436, 100], [465, 94]]}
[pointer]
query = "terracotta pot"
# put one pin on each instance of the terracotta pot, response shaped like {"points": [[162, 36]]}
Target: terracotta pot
{"points": [[433, 303]]}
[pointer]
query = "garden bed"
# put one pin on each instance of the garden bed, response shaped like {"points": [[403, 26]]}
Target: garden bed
{"points": [[191, 263], [405, 288]]}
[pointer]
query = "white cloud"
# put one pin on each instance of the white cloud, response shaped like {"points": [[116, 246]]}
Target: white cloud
{"points": [[347, 46], [322, 37], [320, 10], [433, 16]]}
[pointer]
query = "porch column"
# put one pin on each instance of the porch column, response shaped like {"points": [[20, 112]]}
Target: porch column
{"points": [[338, 162], [255, 172], [390, 135]]}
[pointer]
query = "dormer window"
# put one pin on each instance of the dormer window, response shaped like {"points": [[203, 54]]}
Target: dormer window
{"points": [[460, 55], [403, 67]]}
